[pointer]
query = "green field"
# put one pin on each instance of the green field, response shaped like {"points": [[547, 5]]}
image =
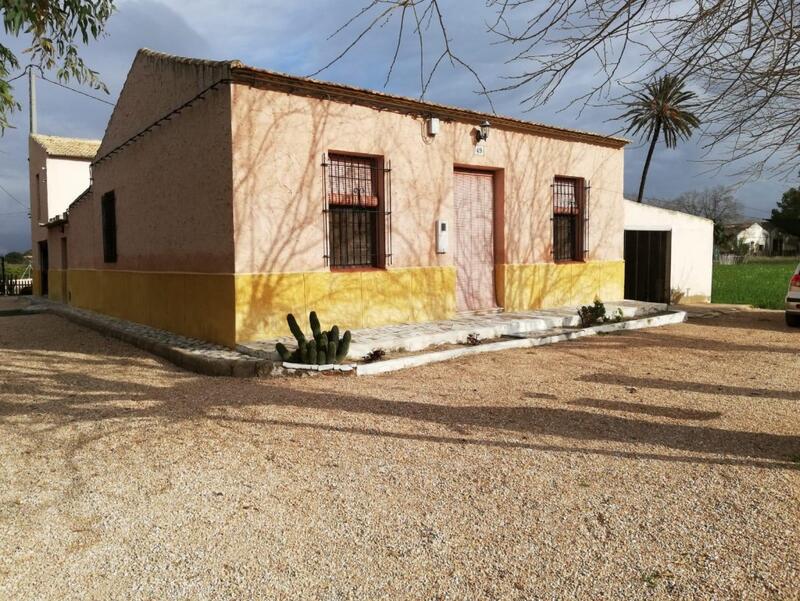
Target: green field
{"points": [[15, 270], [761, 284]]}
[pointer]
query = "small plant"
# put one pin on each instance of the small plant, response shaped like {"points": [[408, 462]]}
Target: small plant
{"points": [[323, 348], [376, 354], [616, 317], [592, 314], [473, 339], [676, 296]]}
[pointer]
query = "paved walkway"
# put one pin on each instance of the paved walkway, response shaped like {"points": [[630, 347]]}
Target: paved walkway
{"points": [[260, 359], [418, 336], [189, 353]]}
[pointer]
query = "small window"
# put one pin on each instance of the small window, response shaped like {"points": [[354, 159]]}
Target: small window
{"points": [[40, 213], [355, 222], [568, 222], [109, 218]]}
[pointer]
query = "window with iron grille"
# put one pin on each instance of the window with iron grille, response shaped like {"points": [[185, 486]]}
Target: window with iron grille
{"points": [[568, 219], [356, 215], [108, 211]]}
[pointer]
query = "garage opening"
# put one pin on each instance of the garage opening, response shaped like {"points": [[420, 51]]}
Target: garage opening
{"points": [[648, 256]]}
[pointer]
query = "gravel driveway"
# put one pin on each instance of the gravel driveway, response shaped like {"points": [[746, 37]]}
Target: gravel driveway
{"points": [[647, 465]]}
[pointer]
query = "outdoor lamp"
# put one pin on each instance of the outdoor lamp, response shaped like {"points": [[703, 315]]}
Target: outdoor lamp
{"points": [[483, 132]]}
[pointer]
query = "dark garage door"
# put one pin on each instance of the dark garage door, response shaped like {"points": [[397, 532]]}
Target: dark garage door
{"points": [[647, 263]]}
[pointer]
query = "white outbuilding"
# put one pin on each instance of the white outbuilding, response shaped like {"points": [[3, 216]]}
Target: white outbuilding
{"points": [[667, 254]]}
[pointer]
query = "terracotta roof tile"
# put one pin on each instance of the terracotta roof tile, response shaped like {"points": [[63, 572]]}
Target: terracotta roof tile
{"points": [[74, 148]]}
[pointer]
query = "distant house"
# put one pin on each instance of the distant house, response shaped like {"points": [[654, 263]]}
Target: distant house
{"points": [[59, 171], [761, 237], [752, 235]]}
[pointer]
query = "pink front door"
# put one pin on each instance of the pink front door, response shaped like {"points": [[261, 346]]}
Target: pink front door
{"points": [[474, 240]]}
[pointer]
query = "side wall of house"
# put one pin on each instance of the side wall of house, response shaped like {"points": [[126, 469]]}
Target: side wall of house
{"points": [[278, 144], [66, 179], [37, 163], [174, 222]]}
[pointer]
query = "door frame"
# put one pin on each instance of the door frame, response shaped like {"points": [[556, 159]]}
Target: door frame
{"points": [[633, 268], [64, 270], [44, 267], [498, 223]]}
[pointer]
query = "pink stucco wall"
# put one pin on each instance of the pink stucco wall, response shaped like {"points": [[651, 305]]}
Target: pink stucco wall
{"points": [[279, 140], [173, 188], [37, 161], [156, 84]]}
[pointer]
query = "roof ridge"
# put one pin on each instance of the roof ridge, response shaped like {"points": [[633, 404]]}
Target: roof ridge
{"points": [[186, 60], [71, 138]]}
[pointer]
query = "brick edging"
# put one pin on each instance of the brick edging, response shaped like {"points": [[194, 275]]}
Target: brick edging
{"points": [[187, 353]]}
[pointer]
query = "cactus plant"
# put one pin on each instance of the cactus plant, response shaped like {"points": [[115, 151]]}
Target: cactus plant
{"points": [[322, 348], [283, 351], [313, 320], [294, 327], [344, 346]]}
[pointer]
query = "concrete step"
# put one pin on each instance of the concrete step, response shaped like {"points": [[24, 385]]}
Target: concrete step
{"points": [[418, 337], [529, 340]]}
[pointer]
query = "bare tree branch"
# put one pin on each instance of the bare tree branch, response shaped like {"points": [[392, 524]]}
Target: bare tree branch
{"points": [[742, 57]]}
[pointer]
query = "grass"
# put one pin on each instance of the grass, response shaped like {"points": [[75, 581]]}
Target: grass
{"points": [[15, 270], [761, 284]]}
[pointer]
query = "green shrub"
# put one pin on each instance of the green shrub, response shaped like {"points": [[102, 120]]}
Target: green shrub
{"points": [[592, 314]]}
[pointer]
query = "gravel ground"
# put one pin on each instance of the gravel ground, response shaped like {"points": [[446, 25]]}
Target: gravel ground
{"points": [[653, 464]]}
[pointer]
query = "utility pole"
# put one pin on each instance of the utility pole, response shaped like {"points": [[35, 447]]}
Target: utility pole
{"points": [[32, 98]]}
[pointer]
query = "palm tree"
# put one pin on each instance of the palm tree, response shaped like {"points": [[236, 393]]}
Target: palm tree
{"points": [[664, 106]]}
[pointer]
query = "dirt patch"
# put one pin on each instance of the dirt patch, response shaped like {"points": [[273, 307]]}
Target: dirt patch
{"points": [[656, 463]]}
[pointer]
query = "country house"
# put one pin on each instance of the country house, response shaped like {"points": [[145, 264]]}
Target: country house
{"points": [[224, 196]]}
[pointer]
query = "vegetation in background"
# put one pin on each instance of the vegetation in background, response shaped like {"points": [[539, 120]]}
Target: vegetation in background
{"points": [[787, 215], [15, 270], [15, 264], [762, 284], [663, 109], [717, 204], [741, 57], [55, 29]]}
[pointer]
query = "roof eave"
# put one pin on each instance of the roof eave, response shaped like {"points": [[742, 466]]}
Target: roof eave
{"points": [[254, 77]]}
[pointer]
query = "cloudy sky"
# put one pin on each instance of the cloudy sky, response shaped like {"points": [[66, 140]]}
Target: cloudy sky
{"points": [[293, 37]]}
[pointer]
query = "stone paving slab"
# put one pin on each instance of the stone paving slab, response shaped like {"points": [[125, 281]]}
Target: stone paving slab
{"points": [[189, 353], [528, 340], [419, 336]]}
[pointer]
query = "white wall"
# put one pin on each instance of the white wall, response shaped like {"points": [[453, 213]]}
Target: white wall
{"points": [[66, 179], [692, 246]]}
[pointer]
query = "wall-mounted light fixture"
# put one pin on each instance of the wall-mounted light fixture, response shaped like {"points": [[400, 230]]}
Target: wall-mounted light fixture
{"points": [[433, 126], [483, 132]]}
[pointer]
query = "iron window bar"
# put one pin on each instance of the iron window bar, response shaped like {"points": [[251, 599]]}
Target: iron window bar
{"points": [[326, 247], [569, 219], [587, 188], [356, 211], [387, 212]]}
